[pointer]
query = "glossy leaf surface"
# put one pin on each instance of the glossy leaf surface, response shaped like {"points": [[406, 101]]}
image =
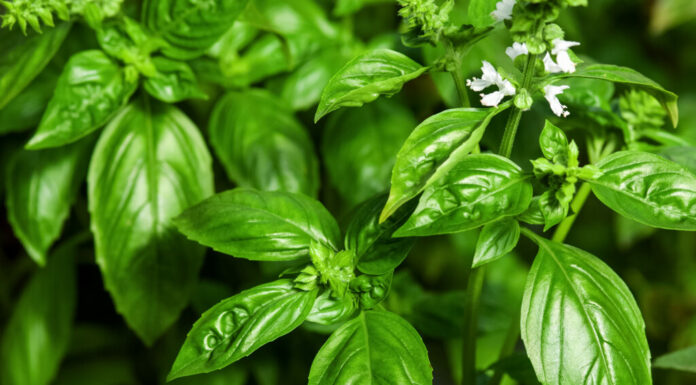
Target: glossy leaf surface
{"points": [[89, 92], [237, 326], [24, 57], [190, 27], [478, 190], [150, 164], [375, 348], [260, 225], [360, 145], [580, 323], [376, 252], [173, 82], [24, 111], [648, 189], [262, 145], [37, 334], [41, 187], [496, 240], [365, 78], [630, 77], [432, 149]]}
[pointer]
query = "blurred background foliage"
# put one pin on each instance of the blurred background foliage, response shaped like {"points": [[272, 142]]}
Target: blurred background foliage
{"points": [[655, 37]]}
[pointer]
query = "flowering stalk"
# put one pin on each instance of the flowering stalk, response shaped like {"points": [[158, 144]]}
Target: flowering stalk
{"points": [[516, 113]]}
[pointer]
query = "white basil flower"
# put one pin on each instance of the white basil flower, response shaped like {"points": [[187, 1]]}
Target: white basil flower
{"points": [[503, 10], [516, 50], [551, 93], [491, 77], [563, 62]]}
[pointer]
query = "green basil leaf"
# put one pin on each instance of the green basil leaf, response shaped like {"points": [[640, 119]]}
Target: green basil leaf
{"points": [[260, 225], [173, 82], [237, 326], [265, 57], [479, 12], [190, 27], [496, 240], [648, 189], [231, 375], [41, 187], [262, 145], [328, 310], [478, 190], [138, 181], [90, 91], [359, 147], [376, 252], [629, 77], [365, 78], [24, 57], [37, 335], [684, 359], [347, 7], [684, 155], [580, 323], [533, 215], [432, 149], [554, 143], [24, 110], [377, 347]]}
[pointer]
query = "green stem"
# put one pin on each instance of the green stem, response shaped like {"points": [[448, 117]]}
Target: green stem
{"points": [[516, 114], [458, 75], [576, 205], [471, 304]]}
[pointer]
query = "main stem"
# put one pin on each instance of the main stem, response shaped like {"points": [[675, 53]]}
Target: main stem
{"points": [[516, 113], [458, 75]]}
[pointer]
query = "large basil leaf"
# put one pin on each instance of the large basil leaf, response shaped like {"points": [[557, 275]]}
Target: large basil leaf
{"points": [[260, 225], [150, 164], [38, 332], [684, 359], [479, 12], [91, 89], [41, 187], [479, 189], [237, 326], [432, 149], [173, 82], [376, 347], [359, 147], [496, 240], [24, 57], [580, 323], [648, 189], [629, 77], [376, 252], [262, 145], [190, 27], [24, 111], [365, 78]]}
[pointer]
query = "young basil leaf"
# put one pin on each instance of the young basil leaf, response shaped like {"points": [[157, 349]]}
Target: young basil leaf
{"points": [[481, 188], [432, 149], [376, 252], [496, 240], [533, 215], [260, 225], [91, 89], [138, 181], [190, 28], [328, 310], [359, 147], [237, 326], [262, 145], [265, 57], [24, 57], [684, 359], [37, 335], [648, 189], [683, 155], [629, 77], [580, 321], [365, 78], [173, 82], [554, 143], [371, 290], [41, 187], [374, 348]]}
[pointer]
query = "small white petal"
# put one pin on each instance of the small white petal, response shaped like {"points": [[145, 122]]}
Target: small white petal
{"points": [[506, 88], [477, 84], [551, 94], [492, 99], [560, 45], [516, 50], [503, 10], [489, 73], [565, 62], [550, 66]]}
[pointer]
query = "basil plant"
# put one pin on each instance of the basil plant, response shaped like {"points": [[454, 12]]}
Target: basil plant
{"points": [[276, 132]]}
